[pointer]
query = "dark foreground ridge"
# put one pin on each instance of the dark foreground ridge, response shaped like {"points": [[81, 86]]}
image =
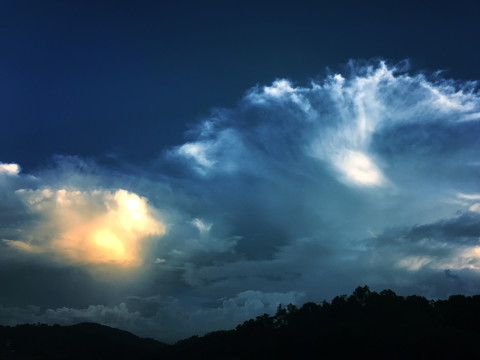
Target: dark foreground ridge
{"points": [[365, 324], [81, 341]]}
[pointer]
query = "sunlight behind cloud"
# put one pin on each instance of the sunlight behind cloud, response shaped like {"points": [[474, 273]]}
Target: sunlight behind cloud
{"points": [[96, 227]]}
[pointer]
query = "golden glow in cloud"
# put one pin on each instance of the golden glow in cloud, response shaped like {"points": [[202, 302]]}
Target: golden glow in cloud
{"points": [[90, 227]]}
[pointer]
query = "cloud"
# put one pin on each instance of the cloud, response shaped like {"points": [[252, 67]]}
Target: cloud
{"points": [[73, 213], [9, 169], [96, 227], [415, 257], [337, 121], [164, 318], [333, 162], [357, 168], [469, 196], [299, 192], [211, 155]]}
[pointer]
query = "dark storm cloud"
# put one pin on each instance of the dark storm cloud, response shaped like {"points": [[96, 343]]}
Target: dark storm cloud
{"points": [[298, 193], [464, 229]]}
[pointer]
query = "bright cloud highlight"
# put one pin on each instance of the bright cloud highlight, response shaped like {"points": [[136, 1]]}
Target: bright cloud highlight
{"points": [[358, 169], [9, 169], [89, 227]]}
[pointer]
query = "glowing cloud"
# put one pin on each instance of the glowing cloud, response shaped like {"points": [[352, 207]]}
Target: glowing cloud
{"points": [[9, 169], [95, 227], [359, 169]]}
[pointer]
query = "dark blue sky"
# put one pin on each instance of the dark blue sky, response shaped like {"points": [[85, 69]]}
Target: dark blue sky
{"points": [[117, 78]]}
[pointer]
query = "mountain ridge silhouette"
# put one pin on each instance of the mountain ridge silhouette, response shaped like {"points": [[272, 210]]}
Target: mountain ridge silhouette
{"points": [[365, 324]]}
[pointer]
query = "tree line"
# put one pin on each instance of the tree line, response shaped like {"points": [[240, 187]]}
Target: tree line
{"points": [[365, 324]]}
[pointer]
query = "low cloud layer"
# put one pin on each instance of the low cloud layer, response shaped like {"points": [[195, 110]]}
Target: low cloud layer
{"points": [[166, 318], [298, 193]]}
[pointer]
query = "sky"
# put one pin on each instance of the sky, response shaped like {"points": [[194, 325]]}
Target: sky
{"points": [[174, 169]]}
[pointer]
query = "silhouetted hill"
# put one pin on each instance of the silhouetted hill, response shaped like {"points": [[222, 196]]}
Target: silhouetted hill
{"points": [[81, 341], [365, 324]]}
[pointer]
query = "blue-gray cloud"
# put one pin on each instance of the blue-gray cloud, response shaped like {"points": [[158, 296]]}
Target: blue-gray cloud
{"points": [[303, 192]]}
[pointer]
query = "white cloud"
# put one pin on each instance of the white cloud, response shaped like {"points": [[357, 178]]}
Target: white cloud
{"points": [[279, 88], [469, 196], [358, 168], [335, 121], [9, 169], [211, 155], [199, 152], [202, 226], [475, 208]]}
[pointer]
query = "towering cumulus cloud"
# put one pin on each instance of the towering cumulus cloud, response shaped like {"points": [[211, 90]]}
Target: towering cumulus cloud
{"points": [[297, 193]]}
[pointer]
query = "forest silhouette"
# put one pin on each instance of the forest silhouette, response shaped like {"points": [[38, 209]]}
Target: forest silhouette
{"points": [[365, 324]]}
